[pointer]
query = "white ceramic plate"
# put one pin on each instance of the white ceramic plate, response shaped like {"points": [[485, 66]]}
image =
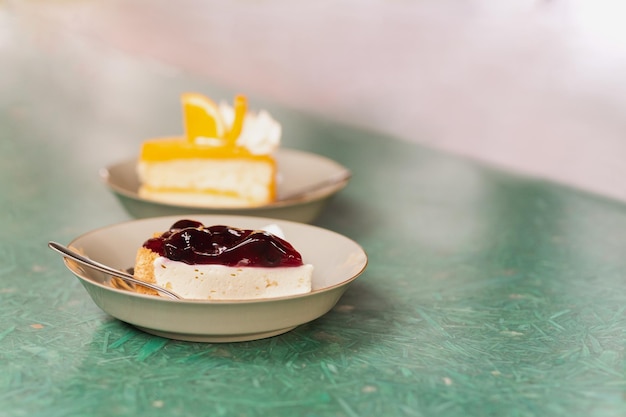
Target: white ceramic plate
{"points": [[337, 261], [319, 178]]}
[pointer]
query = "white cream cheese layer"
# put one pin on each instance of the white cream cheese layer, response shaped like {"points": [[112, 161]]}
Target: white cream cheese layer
{"points": [[218, 282]]}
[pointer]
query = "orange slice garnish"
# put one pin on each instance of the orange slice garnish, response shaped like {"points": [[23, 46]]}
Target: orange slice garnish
{"points": [[201, 117], [241, 108]]}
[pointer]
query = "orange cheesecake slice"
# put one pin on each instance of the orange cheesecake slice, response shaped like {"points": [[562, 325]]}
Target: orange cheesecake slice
{"points": [[225, 158]]}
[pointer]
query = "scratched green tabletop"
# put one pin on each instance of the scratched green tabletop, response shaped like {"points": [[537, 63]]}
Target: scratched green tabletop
{"points": [[486, 294]]}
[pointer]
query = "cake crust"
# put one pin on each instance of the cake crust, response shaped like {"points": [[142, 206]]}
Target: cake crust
{"points": [[144, 269]]}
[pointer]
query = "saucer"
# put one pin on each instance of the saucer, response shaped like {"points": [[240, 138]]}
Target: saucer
{"points": [[337, 262]]}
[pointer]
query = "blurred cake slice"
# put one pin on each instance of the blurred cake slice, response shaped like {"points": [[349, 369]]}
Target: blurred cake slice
{"points": [[225, 158]]}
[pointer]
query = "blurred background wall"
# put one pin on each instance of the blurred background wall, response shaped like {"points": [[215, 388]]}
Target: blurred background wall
{"points": [[537, 87]]}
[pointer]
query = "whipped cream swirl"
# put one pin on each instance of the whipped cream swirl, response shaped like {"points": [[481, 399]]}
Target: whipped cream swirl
{"points": [[260, 133]]}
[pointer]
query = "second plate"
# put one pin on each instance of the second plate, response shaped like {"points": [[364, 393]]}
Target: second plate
{"points": [[306, 182]]}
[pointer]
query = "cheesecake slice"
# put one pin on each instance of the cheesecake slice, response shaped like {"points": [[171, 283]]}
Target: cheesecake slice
{"points": [[225, 159], [222, 263]]}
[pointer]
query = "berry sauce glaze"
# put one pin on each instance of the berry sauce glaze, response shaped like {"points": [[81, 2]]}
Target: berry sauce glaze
{"points": [[191, 242]]}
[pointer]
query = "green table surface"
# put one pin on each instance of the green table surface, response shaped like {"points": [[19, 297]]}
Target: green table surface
{"points": [[486, 293]]}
